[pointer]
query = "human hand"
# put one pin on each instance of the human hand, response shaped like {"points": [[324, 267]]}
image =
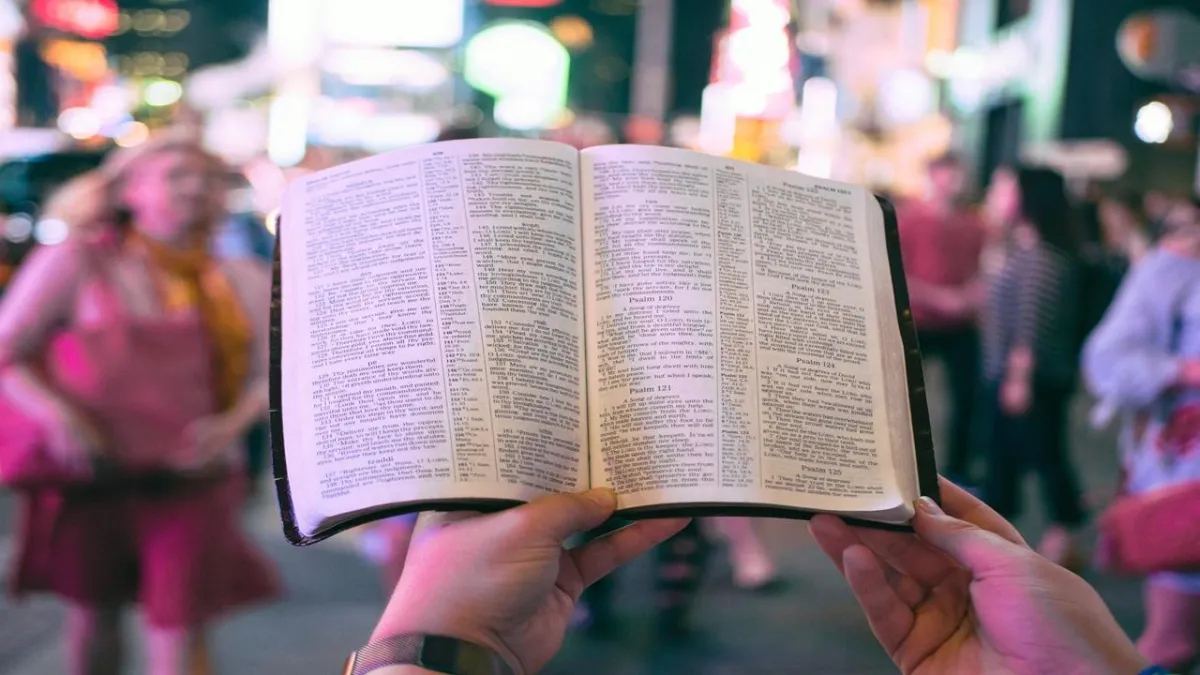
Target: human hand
{"points": [[209, 441], [947, 301], [1189, 373], [966, 594], [1016, 395], [504, 581], [70, 438]]}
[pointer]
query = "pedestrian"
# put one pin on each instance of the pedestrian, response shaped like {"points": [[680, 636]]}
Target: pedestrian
{"points": [[942, 239], [242, 236], [1145, 358], [167, 372], [750, 562], [1030, 353]]}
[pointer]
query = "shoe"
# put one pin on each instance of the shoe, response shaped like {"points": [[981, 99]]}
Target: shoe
{"points": [[753, 571], [1058, 545]]}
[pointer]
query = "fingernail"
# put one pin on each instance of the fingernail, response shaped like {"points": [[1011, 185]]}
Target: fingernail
{"points": [[929, 506]]}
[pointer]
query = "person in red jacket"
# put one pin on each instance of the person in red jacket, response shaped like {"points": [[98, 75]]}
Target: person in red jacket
{"points": [[942, 240]]}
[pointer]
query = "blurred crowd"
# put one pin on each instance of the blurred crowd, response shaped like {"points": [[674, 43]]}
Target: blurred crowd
{"points": [[155, 303], [1031, 292]]}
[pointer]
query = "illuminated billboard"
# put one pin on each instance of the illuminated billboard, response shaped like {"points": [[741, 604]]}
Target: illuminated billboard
{"points": [[393, 23]]}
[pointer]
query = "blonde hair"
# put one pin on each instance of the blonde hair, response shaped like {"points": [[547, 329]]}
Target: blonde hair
{"points": [[92, 201]]}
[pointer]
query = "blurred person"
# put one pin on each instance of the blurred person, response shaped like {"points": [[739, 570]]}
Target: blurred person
{"points": [[1122, 232], [1030, 350], [680, 564], [1145, 357], [942, 241], [7, 269], [965, 594], [1114, 240], [1156, 206], [168, 373], [752, 565], [385, 544], [242, 236]]}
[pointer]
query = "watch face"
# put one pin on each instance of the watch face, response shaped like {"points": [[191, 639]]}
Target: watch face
{"points": [[440, 653]]}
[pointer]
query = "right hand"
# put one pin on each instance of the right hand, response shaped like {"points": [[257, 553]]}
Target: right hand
{"points": [[72, 440], [1189, 374], [966, 594], [1016, 396]]}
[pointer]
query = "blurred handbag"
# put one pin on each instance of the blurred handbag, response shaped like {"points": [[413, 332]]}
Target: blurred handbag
{"points": [[1154, 531]]}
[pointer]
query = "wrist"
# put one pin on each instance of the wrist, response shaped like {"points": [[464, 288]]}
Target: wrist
{"points": [[415, 611], [1131, 662]]}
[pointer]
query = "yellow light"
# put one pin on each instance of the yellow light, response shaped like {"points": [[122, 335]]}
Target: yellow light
{"points": [[148, 20], [565, 119], [133, 134], [573, 31], [87, 61], [272, 221], [177, 20], [162, 93]]}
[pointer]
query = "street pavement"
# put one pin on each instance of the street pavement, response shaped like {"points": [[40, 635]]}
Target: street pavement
{"points": [[810, 625]]}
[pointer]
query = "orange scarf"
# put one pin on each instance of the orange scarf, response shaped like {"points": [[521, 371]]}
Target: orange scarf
{"points": [[190, 279]]}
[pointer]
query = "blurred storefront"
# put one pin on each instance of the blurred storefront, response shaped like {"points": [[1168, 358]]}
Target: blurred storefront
{"points": [[1043, 80]]}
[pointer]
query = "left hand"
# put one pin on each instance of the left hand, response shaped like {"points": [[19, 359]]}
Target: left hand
{"points": [[967, 595], [210, 440], [1016, 396], [504, 581]]}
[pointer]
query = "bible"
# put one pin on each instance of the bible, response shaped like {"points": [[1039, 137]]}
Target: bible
{"points": [[473, 324]]}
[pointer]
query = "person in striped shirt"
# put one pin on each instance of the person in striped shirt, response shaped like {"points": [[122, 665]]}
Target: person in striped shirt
{"points": [[1030, 335]]}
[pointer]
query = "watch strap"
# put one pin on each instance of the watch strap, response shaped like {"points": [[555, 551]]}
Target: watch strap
{"points": [[438, 653]]}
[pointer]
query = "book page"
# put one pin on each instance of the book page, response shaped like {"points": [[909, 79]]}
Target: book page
{"points": [[433, 328], [734, 341]]}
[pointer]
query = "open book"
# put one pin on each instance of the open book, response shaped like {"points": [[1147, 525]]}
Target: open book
{"points": [[473, 324]]}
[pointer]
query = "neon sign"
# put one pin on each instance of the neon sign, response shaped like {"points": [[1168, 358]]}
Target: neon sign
{"points": [[93, 19], [522, 3]]}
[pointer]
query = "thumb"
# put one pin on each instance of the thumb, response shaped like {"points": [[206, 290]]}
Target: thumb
{"points": [[972, 547], [557, 517]]}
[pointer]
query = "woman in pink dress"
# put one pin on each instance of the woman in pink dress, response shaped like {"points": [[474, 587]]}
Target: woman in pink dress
{"points": [[131, 347]]}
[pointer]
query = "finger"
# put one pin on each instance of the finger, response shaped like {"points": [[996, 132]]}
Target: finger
{"points": [[958, 503], [833, 536], [598, 558], [890, 618], [910, 591], [430, 521], [557, 517], [971, 546], [909, 555]]}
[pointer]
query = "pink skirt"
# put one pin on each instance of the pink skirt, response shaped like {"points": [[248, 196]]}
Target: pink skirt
{"points": [[175, 547]]}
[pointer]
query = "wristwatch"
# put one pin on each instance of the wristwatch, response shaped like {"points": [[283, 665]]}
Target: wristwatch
{"points": [[432, 652]]}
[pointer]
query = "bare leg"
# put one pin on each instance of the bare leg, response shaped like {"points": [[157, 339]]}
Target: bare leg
{"points": [[199, 656], [752, 565], [1172, 627], [177, 651], [93, 640]]}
